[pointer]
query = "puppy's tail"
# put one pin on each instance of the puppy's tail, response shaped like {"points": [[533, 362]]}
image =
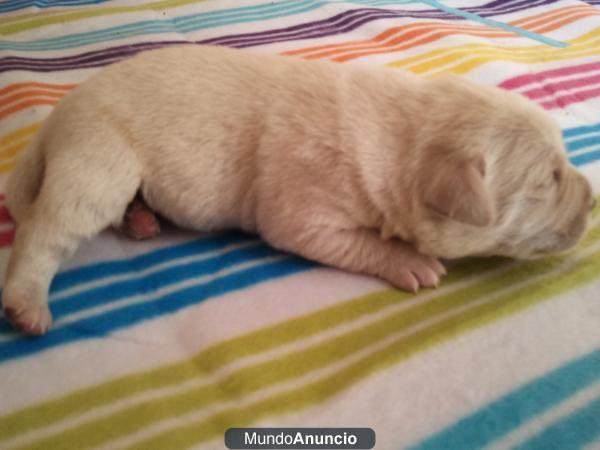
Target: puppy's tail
{"points": [[26, 179]]}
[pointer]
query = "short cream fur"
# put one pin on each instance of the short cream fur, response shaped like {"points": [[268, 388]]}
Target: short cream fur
{"points": [[368, 169]]}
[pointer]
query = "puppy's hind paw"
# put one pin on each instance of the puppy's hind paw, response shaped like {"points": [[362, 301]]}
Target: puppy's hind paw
{"points": [[139, 221], [29, 319]]}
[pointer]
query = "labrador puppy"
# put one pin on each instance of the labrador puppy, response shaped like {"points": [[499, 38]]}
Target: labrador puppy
{"points": [[363, 168]]}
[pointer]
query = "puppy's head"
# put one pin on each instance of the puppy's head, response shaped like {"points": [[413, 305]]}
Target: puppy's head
{"points": [[494, 178]]}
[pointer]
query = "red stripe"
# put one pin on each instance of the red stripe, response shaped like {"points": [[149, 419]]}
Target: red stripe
{"points": [[553, 88], [523, 80], [5, 215], [6, 238], [561, 102]]}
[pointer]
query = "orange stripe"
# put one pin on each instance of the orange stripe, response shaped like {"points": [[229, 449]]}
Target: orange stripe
{"points": [[380, 38], [526, 22], [18, 86], [551, 22], [565, 21], [387, 49], [388, 33], [378, 44], [411, 32], [26, 94], [27, 104], [425, 40]]}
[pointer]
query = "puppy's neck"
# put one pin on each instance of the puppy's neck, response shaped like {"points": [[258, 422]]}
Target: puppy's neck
{"points": [[381, 138]]}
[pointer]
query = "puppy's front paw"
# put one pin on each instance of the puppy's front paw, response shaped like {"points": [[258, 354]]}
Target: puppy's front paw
{"points": [[30, 318], [414, 270]]}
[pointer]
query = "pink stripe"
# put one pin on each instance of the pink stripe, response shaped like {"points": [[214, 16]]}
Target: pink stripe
{"points": [[561, 102], [523, 80], [6, 238], [553, 88]]}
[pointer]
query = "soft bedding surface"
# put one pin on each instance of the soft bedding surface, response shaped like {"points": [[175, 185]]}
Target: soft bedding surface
{"points": [[164, 344]]}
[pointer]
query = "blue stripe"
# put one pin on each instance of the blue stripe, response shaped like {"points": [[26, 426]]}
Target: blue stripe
{"points": [[571, 433], [578, 144], [14, 5], [113, 292], [105, 323], [110, 293], [518, 407], [183, 24], [585, 158], [588, 142], [572, 132], [98, 271]]}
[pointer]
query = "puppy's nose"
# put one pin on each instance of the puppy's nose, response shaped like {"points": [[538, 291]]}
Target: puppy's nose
{"points": [[593, 204]]}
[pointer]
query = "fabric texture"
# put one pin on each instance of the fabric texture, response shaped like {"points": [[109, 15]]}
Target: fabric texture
{"points": [[164, 344]]}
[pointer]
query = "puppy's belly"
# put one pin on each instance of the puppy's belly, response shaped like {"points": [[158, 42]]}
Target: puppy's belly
{"points": [[202, 199]]}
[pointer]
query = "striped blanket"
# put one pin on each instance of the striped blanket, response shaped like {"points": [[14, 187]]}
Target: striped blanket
{"points": [[165, 344]]}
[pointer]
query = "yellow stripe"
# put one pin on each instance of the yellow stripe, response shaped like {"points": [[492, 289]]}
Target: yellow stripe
{"points": [[47, 12], [319, 391], [13, 143], [291, 365], [7, 166], [24, 22], [469, 65], [490, 53], [10, 138], [587, 44], [219, 355], [11, 151]]}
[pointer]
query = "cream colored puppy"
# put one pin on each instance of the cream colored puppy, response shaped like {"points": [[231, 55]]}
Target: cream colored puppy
{"points": [[367, 169]]}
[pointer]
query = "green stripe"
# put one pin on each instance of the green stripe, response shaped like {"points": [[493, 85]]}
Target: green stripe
{"points": [[317, 392], [291, 365], [219, 355], [26, 22]]}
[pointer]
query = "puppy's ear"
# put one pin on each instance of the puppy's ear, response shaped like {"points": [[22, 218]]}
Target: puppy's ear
{"points": [[457, 190]]}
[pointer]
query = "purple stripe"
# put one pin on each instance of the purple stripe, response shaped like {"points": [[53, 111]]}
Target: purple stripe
{"points": [[89, 59], [343, 24], [328, 26], [321, 28], [503, 7], [340, 23]]}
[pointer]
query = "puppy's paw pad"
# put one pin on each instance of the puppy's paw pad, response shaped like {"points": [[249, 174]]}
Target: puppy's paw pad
{"points": [[32, 320]]}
